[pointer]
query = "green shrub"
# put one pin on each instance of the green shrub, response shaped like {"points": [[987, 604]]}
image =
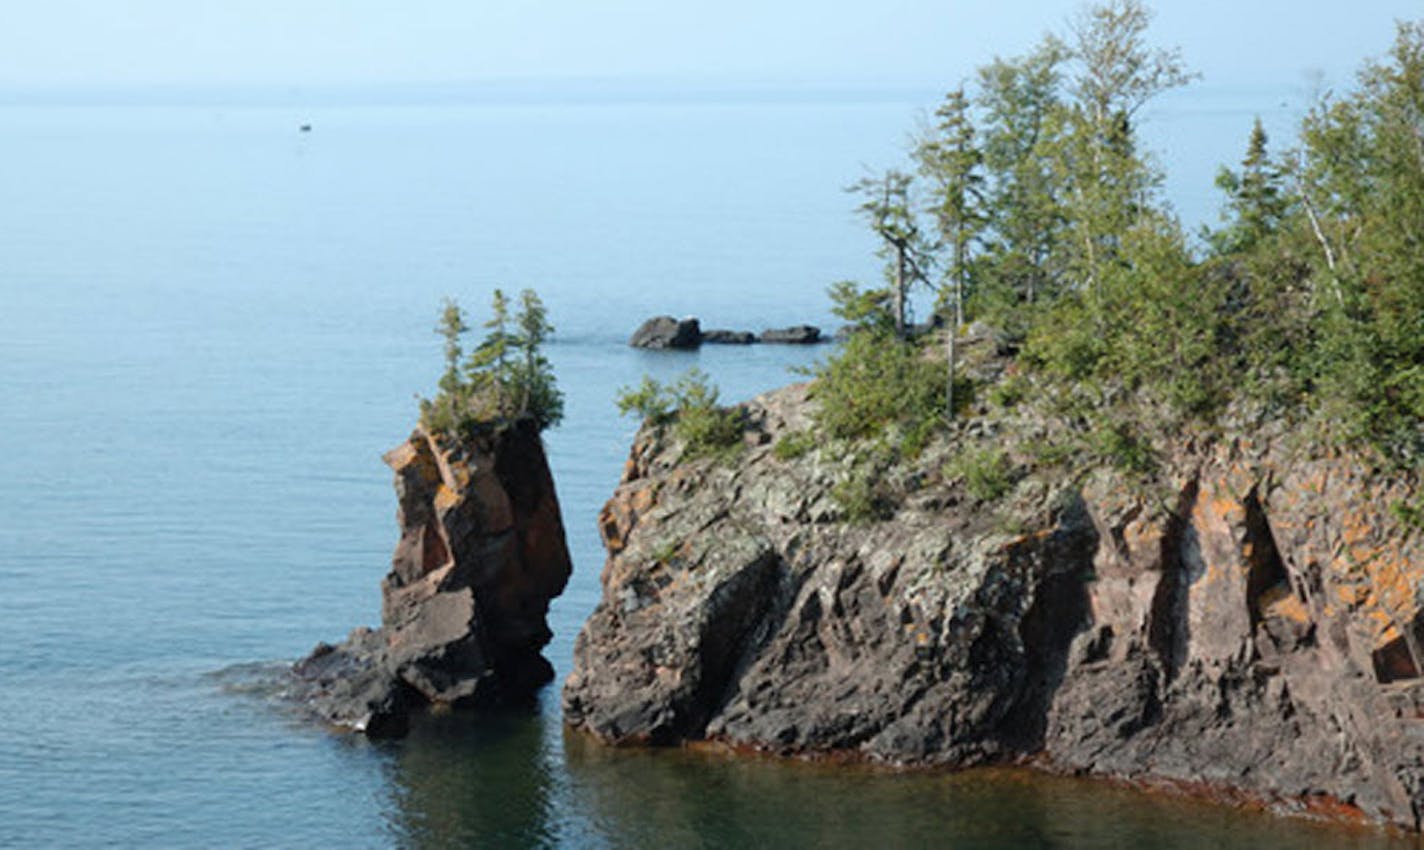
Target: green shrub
{"points": [[1118, 444], [858, 496], [1048, 452], [666, 552], [1008, 391], [650, 400], [690, 407], [794, 445], [987, 473], [877, 381], [864, 309], [1409, 513]]}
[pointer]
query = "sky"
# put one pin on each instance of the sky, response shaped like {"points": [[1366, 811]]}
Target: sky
{"points": [[311, 44]]}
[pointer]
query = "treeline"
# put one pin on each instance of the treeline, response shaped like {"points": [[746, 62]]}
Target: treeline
{"points": [[1030, 204]]}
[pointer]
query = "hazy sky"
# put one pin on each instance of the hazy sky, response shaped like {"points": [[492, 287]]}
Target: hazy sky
{"points": [[287, 43]]}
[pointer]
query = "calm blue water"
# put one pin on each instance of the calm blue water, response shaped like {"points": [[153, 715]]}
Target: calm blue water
{"points": [[211, 326]]}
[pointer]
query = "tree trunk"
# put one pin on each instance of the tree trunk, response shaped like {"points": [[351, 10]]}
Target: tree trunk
{"points": [[953, 332], [900, 290], [959, 252]]}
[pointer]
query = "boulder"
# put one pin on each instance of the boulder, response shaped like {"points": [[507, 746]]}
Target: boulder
{"points": [[794, 335], [481, 553], [726, 337], [663, 332]]}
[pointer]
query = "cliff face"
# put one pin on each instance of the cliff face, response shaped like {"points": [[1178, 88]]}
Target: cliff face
{"points": [[481, 554], [1254, 630]]}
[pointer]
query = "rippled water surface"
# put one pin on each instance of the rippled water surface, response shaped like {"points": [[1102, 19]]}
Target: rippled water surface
{"points": [[210, 328]]}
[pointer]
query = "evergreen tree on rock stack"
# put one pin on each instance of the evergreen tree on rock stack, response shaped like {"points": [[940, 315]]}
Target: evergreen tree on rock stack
{"points": [[482, 548]]}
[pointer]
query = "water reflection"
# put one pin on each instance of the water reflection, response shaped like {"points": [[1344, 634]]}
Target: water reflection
{"points": [[684, 799], [516, 780], [475, 782]]}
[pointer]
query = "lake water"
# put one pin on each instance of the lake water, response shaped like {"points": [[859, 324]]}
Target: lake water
{"points": [[212, 325]]}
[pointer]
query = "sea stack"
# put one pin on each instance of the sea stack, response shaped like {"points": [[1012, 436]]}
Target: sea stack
{"points": [[463, 615]]}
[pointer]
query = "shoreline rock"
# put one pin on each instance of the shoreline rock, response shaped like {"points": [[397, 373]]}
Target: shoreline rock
{"points": [[664, 332], [481, 553], [794, 335], [1252, 635], [726, 337]]}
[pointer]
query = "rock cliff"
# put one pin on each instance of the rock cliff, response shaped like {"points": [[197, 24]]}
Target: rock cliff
{"points": [[481, 553], [1249, 626]]}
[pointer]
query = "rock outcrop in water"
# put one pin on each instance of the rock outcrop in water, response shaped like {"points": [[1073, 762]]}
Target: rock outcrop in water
{"points": [[661, 332], [665, 332], [1251, 630], [481, 554]]}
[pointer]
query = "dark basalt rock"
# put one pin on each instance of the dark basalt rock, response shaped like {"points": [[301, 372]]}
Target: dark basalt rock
{"points": [[1254, 635], [794, 335], [663, 332], [481, 554], [726, 337]]}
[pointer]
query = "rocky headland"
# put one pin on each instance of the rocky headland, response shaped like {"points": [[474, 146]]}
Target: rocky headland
{"points": [[481, 554], [1246, 624]]}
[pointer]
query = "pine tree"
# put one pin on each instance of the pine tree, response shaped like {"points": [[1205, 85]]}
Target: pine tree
{"points": [[950, 159], [505, 378], [1360, 184], [488, 368], [452, 327], [1116, 74], [1021, 106], [886, 207], [1256, 199], [533, 375]]}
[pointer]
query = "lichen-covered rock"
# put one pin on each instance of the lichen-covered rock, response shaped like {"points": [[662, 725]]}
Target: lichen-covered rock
{"points": [[481, 554], [1252, 631]]}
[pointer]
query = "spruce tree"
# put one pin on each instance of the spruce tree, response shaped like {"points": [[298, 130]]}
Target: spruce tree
{"points": [[949, 157], [533, 376], [887, 209]]}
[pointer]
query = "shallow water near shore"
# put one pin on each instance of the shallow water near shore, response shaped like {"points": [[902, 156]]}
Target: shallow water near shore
{"points": [[210, 328]]}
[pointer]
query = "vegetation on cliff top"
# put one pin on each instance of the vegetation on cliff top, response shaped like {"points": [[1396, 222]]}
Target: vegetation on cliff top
{"points": [[689, 407], [1071, 300], [1031, 205], [504, 379]]}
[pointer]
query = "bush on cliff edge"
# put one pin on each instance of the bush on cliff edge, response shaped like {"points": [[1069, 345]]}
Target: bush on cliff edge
{"points": [[690, 407]]}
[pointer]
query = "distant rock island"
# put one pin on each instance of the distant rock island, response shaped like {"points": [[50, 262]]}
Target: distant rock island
{"points": [[666, 332]]}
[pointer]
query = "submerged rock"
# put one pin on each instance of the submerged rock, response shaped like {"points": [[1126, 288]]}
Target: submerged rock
{"points": [[481, 554], [663, 332], [1252, 631]]}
